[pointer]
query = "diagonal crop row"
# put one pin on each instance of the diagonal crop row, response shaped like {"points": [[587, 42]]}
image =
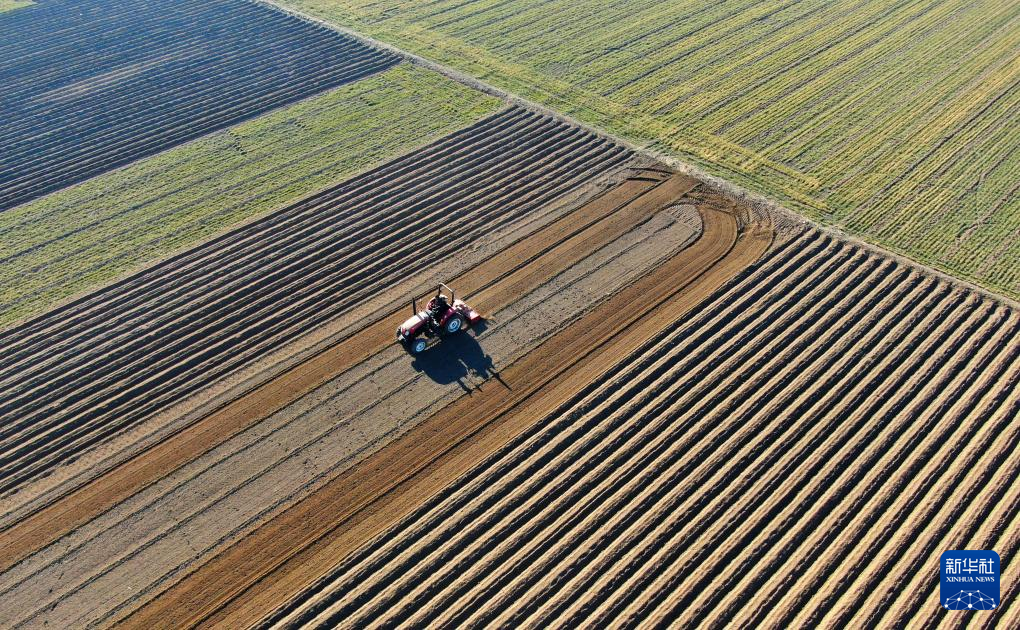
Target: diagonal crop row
{"points": [[804, 412], [872, 115]]}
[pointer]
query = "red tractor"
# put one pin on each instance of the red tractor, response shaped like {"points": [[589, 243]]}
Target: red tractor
{"points": [[442, 316]]}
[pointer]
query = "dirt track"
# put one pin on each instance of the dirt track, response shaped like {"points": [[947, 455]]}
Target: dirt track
{"points": [[668, 420], [555, 369], [648, 430]]}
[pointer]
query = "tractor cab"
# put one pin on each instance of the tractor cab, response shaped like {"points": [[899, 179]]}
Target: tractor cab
{"points": [[443, 315]]}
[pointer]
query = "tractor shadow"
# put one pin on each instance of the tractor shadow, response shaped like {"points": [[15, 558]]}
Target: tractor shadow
{"points": [[458, 358]]}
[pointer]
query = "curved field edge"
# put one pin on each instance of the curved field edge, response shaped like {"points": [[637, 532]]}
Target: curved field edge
{"points": [[78, 239], [843, 114], [583, 229], [390, 482], [85, 372]]}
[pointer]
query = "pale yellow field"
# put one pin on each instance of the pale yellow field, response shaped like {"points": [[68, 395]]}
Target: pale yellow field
{"points": [[896, 120]]}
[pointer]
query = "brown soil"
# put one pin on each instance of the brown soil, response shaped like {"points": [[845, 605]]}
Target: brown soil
{"points": [[797, 452], [86, 372], [490, 285], [330, 523]]}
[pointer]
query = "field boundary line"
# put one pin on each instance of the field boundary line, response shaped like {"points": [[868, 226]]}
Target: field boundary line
{"points": [[183, 256], [118, 280], [547, 398], [763, 205]]}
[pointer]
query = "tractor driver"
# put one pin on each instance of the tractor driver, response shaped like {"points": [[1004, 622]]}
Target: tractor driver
{"points": [[439, 306]]}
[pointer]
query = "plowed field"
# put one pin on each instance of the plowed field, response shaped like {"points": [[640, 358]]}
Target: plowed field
{"points": [[667, 418], [89, 86], [79, 239], [249, 579], [85, 371], [679, 410], [796, 452], [121, 540]]}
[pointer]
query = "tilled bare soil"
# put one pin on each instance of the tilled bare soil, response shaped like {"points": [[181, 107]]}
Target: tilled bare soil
{"points": [[665, 419], [254, 576], [797, 451], [103, 550]]}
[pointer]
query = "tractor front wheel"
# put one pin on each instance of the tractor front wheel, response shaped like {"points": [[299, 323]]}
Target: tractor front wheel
{"points": [[418, 346], [453, 324]]}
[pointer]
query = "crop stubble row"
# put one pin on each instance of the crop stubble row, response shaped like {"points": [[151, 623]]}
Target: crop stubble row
{"points": [[829, 422], [89, 369], [88, 235], [891, 119]]}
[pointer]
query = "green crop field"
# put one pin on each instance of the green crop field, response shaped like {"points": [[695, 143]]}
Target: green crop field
{"points": [[896, 120], [84, 236], [9, 5]]}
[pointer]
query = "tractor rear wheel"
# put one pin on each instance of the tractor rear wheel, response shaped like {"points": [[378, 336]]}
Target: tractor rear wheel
{"points": [[455, 323]]}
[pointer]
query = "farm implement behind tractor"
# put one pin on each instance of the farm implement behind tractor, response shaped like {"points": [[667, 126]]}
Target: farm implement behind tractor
{"points": [[443, 315]]}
